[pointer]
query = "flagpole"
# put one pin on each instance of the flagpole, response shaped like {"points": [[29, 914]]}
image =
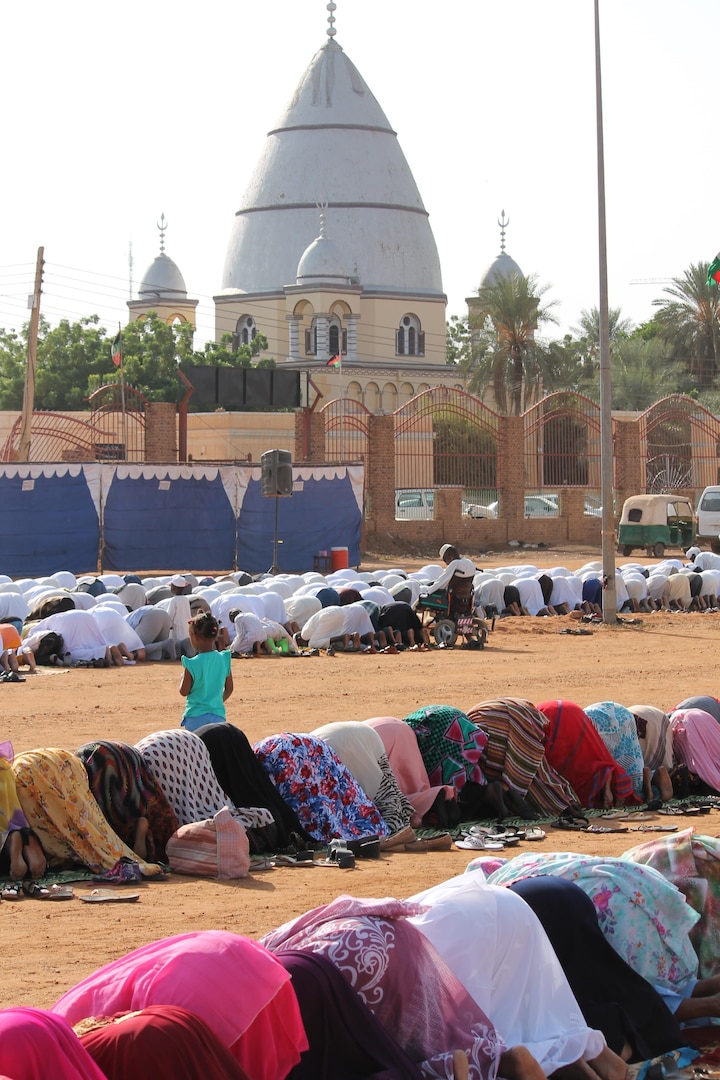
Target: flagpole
{"points": [[342, 405], [609, 600]]}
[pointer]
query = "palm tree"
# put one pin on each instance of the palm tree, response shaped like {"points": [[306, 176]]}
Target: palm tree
{"points": [[505, 352], [588, 332], [690, 323], [641, 374]]}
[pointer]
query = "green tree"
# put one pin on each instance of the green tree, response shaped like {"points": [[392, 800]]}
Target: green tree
{"points": [[67, 356], [152, 351], [690, 323], [565, 367], [505, 352], [13, 357], [224, 354], [457, 340]]}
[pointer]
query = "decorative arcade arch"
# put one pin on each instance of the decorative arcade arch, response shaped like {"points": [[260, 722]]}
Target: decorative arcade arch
{"points": [[103, 437], [347, 430], [446, 437], [680, 443], [562, 442]]}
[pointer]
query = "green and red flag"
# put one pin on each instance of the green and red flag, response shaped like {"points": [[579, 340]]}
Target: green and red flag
{"points": [[116, 350], [334, 361], [714, 271]]}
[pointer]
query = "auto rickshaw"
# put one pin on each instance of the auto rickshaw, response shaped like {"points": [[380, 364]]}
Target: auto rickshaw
{"points": [[655, 522]]}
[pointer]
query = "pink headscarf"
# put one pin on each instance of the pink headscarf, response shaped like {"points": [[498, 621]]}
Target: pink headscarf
{"points": [[229, 981], [35, 1045], [401, 747]]}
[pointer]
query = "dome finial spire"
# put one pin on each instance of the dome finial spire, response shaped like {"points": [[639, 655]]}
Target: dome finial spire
{"points": [[162, 226], [503, 222], [331, 31], [322, 205]]}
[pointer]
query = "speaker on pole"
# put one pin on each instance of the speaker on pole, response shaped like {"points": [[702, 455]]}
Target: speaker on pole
{"points": [[276, 475]]}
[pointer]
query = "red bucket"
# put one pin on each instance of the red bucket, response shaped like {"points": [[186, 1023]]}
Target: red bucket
{"points": [[339, 558]]}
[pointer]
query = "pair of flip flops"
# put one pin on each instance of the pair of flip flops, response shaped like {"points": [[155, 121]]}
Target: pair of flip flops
{"points": [[480, 838], [339, 855], [37, 891]]}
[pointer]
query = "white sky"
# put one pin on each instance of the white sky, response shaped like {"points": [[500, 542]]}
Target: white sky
{"points": [[114, 114]]}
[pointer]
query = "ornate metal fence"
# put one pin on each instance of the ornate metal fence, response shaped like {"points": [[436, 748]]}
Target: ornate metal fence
{"points": [[680, 442], [110, 433], [562, 443], [446, 437], [347, 431]]}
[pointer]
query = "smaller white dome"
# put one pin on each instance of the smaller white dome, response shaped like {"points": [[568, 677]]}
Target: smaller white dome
{"points": [[502, 267], [162, 279], [321, 261]]}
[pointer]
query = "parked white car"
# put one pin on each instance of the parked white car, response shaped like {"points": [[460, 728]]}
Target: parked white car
{"points": [[535, 506], [416, 505], [478, 510], [707, 515]]}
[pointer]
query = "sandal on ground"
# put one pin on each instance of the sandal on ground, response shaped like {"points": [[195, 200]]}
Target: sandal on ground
{"points": [[606, 828], [532, 834], [109, 896], [473, 842], [293, 860], [569, 820], [366, 847], [11, 676], [654, 828], [12, 890], [441, 842]]}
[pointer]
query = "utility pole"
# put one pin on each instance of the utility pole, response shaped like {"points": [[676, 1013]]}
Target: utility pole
{"points": [[29, 390], [609, 599]]}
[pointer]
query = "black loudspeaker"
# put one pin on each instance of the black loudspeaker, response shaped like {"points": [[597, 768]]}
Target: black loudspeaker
{"points": [[277, 478]]}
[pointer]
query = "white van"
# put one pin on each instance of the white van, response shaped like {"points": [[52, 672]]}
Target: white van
{"points": [[707, 515]]}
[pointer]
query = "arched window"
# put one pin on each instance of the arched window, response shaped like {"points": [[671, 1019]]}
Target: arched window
{"points": [[337, 337], [409, 337], [245, 330]]}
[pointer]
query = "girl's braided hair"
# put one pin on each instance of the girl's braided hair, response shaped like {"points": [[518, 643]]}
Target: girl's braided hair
{"points": [[205, 625]]}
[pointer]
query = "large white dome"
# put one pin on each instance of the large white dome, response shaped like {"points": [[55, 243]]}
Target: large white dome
{"points": [[334, 143]]}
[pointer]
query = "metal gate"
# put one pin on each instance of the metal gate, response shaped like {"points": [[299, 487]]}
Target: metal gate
{"points": [[446, 437], [680, 442]]}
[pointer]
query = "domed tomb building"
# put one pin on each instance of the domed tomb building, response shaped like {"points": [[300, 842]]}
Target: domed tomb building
{"points": [[331, 251]]}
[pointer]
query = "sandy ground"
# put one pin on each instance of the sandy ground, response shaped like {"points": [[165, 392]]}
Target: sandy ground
{"points": [[54, 945]]}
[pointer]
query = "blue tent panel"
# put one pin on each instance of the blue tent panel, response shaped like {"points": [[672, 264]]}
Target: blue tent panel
{"points": [[51, 525], [166, 524], [323, 515]]}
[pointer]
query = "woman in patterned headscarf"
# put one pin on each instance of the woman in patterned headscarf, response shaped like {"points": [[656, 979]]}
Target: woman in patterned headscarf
{"points": [[616, 727]]}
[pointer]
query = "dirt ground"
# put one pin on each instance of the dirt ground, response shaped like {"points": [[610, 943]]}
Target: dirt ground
{"points": [[663, 659]]}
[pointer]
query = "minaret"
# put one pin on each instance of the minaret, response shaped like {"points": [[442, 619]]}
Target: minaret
{"points": [[162, 289]]}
